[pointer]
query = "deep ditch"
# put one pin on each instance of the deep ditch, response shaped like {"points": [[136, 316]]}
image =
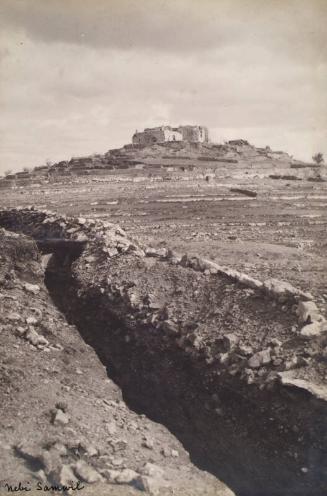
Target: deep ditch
{"points": [[238, 444], [260, 438]]}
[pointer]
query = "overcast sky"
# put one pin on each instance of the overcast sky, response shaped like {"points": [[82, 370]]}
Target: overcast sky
{"points": [[79, 76]]}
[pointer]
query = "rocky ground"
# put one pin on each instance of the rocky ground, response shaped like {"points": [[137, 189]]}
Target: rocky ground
{"points": [[280, 233], [234, 366], [63, 422], [225, 346]]}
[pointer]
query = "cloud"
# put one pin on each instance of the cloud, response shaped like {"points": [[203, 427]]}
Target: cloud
{"points": [[164, 25], [173, 25], [256, 69]]}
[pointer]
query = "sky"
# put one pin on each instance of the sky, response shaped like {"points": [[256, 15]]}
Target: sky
{"points": [[80, 76]]}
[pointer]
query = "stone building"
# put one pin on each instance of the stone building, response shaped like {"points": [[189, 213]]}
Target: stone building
{"points": [[162, 134], [194, 134], [156, 135]]}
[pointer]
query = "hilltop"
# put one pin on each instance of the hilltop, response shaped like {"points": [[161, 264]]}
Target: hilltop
{"points": [[178, 160]]}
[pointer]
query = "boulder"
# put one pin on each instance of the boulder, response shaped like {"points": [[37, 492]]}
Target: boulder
{"points": [[260, 358], [66, 476], [126, 476], [230, 341], [150, 485], [308, 312], [319, 391], [279, 288], [152, 470], [60, 418], [313, 330], [34, 338], [86, 472], [32, 288]]}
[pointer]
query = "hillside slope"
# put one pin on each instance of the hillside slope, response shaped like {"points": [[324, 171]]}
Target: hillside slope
{"points": [[172, 160]]}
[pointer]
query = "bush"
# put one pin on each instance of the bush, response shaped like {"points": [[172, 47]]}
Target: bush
{"points": [[318, 158]]}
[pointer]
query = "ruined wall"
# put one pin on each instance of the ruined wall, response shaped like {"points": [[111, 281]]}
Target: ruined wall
{"points": [[194, 134], [157, 135], [149, 136], [172, 135]]}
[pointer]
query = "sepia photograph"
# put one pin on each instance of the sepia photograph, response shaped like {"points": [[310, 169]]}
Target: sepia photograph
{"points": [[163, 247]]}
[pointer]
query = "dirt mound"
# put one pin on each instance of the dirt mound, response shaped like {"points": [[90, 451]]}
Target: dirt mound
{"points": [[235, 367]]}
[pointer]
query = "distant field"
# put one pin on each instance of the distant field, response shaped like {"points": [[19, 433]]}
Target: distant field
{"points": [[281, 233]]}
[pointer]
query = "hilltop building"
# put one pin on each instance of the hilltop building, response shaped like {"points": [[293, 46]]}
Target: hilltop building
{"points": [[162, 134], [195, 134]]}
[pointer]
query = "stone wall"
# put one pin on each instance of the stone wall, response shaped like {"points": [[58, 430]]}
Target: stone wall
{"points": [[192, 134], [149, 136]]}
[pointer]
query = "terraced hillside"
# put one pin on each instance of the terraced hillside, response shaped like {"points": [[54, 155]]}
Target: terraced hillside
{"points": [[178, 161]]}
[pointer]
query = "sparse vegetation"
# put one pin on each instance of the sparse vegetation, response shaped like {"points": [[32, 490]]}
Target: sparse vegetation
{"points": [[318, 158]]}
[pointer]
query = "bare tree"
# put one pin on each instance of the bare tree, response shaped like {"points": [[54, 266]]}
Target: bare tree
{"points": [[318, 158], [7, 172], [26, 169]]}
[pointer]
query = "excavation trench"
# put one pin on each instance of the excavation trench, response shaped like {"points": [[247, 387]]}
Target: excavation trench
{"points": [[237, 438], [261, 437]]}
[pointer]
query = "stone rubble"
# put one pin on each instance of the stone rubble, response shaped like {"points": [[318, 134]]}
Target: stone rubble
{"points": [[254, 364]]}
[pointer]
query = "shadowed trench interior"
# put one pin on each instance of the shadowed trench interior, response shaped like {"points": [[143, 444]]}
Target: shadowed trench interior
{"points": [[164, 384]]}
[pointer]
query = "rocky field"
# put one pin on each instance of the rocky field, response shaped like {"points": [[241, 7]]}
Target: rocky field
{"points": [[279, 233], [201, 294]]}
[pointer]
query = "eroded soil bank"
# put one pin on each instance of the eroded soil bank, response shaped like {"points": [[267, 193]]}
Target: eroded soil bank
{"points": [[258, 440], [227, 363], [63, 422]]}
